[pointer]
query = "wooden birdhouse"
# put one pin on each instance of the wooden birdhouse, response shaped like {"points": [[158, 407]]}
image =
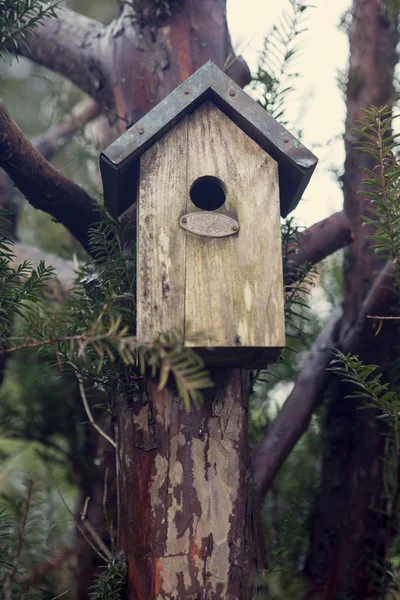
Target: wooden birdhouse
{"points": [[211, 172]]}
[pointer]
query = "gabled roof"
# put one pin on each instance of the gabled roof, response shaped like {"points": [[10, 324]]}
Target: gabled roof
{"points": [[119, 163]]}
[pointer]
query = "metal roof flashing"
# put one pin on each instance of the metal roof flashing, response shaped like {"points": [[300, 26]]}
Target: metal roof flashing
{"points": [[119, 163]]}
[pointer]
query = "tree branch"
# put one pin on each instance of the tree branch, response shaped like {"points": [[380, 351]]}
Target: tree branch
{"points": [[319, 241], [50, 142], [70, 46], [42, 185], [294, 417]]}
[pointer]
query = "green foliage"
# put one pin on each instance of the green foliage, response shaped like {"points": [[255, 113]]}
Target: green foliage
{"points": [[20, 287], [111, 584], [167, 356], [383, 182], [18, 19], [30, 533], [93, 331], [367, 382], [276, 75], [6, 526]]}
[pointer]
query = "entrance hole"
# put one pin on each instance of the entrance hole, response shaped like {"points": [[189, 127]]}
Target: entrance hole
{"points": [[208, 193]]}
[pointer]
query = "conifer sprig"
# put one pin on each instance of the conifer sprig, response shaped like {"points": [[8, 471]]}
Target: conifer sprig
{"points": [[94, 329], [19, 18], [367, 383], [382, 184], [275, 77]]}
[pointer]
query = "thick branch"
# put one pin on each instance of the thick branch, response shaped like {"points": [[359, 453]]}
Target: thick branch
{"points": [[319, 241], [70, 46], [50, 142], [295, 415], [44, 186]]}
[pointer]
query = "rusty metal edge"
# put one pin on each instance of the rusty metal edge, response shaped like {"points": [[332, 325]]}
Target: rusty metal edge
{"points": [[119, 163]]}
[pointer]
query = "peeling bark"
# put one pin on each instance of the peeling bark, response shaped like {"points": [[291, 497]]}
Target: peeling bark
{"points": [[184, 494]]}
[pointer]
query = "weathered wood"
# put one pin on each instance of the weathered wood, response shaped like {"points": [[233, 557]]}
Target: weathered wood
{"points": [[187, 534], [161, 242], [234, 288], [226, 292]]}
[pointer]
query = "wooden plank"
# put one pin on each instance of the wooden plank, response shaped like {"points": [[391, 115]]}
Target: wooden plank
{"points": [[161, 241], [234, 286]]}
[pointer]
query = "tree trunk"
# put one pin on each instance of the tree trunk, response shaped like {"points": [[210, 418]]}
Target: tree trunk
{"points": [[349, 536], [148, 60], [185, 511]]}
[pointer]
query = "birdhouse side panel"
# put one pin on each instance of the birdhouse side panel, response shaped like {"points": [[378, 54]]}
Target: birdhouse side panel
{"points": [[160, 241], [234, 285]]}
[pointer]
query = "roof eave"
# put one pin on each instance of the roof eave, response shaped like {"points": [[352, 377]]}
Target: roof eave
{"points": [[120, 161]]}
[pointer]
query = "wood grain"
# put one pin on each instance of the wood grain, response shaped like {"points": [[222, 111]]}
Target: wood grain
{"points": [[234, 288], [226, 293], [161, 241]]}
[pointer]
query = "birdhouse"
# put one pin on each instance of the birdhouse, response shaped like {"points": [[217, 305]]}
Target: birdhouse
{"points": [[211, 172]]}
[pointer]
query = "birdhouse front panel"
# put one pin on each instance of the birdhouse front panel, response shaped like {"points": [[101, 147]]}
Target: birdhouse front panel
{"points": [[209, 246]]}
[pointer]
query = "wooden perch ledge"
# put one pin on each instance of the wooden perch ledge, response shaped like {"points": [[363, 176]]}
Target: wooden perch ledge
{"points": [[42, 185]]}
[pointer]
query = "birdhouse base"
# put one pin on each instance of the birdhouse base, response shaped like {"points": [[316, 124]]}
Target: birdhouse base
{"points": [[245, 358]]}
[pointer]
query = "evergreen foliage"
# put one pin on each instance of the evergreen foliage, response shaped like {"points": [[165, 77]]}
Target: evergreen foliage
{"points": [[94, 330], [382, 184], [31, 534], [367, 383], [18, 19], [111, 584], [276, 75]]}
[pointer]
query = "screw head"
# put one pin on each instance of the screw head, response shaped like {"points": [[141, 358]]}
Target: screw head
{"points": [[186, 92], [184, 220], [232, 92], [141, 130], [286, 140], [234, 228]]}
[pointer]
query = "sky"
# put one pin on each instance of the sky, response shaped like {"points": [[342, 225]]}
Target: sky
{"points": [[317, 106]]}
